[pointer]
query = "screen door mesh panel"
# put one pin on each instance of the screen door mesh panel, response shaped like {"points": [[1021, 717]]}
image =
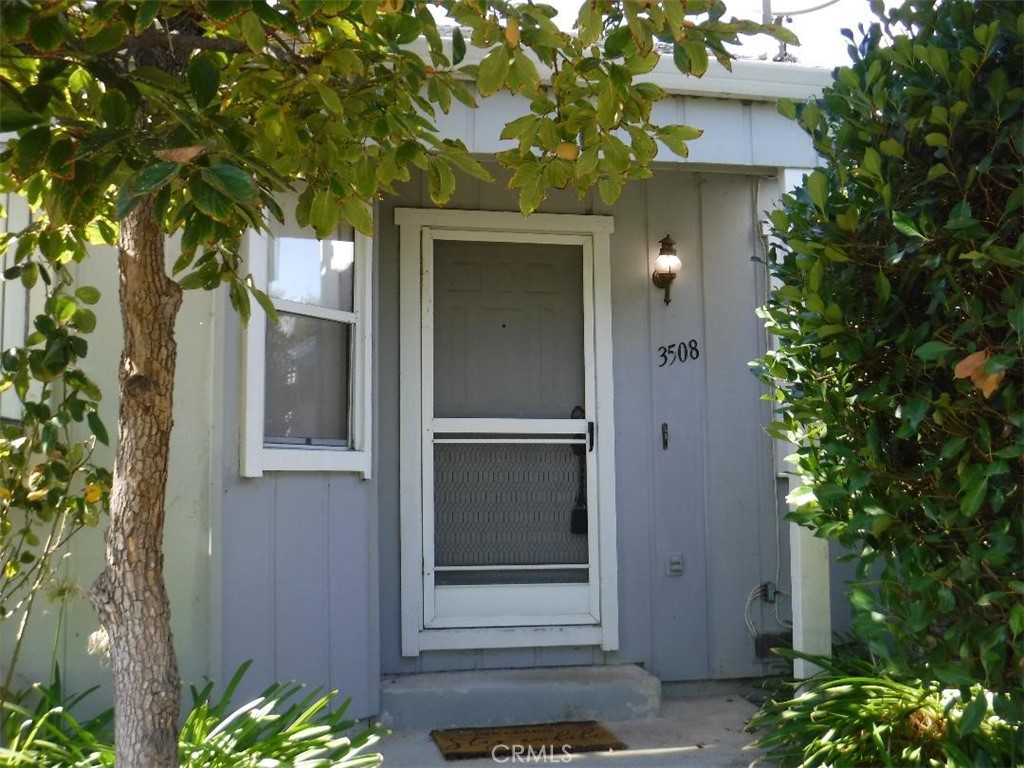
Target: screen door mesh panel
{"points": [[507, 504]]}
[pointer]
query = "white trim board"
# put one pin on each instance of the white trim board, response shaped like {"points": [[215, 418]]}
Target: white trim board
{"points": [[748, 80]]}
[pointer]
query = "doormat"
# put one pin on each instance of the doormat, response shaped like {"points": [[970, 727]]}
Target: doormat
{"points": [[537, 742]]}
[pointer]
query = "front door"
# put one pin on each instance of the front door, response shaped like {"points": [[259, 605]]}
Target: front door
{"points": [[509, 493]]}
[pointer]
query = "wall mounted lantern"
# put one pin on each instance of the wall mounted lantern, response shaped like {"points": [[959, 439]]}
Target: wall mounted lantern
{"points": [[666, 266]]}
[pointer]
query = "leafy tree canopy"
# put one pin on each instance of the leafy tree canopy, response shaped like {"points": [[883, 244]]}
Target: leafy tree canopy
{"points": [[212, 106]]}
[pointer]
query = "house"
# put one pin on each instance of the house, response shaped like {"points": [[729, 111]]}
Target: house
{"points": [[479, 441]]}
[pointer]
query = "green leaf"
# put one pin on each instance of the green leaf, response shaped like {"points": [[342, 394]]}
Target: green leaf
{"points": [[872, 162], [905, 225], [210, 201], [16, 19], [675, 137], [892, 148], [107, 39], [682, 132], [973, 714], [232, 181], [126, 202], [84, 320], [263, 300], [698, 56], [458, 47], [115, 109], [357, 213], [817, 188], [493, 71], [203, 77], [323, 214], [440, 181], [615, 43], [933, 350], [786, 108], [31, 150], [974, 497], [832, 253], [1016, 317], [960, 217], [936, 140], [1017, 618], [525, 70], [12, 118], [609, 188], [253, 33], [46, 31], [152, 177], [470, 166], [157, 78], [409, 28], [96, 425], [953, 446], [145, 12], [87, 294]]}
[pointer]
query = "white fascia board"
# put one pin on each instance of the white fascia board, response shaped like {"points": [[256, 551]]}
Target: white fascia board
{"points": [[748, 80]]}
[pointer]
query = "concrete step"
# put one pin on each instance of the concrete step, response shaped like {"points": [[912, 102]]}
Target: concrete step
{"points": [[509, 696]]}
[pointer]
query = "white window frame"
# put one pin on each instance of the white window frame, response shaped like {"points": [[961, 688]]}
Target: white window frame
{"points": [[18, 304], [257, 456]]}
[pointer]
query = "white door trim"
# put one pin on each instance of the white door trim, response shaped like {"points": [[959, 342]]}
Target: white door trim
{"points": [[417, 228]]}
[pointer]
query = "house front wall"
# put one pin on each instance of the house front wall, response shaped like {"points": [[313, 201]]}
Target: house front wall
{"points": [[311, 562], [300, 571], [707, 498]]}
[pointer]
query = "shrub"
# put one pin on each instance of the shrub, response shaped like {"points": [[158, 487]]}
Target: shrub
{"points": [[37, 728], [272, 729], [851, 714], [276, 729], [899, 315]]}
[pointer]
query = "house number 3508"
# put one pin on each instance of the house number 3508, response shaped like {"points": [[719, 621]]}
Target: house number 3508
{"points": [[678, 353]]}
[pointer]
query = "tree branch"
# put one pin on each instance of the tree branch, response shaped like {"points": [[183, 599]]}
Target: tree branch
{"points": [[155, 38]]}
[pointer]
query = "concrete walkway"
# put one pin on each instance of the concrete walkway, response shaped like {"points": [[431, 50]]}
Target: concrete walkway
{"points": [[702, 732]]}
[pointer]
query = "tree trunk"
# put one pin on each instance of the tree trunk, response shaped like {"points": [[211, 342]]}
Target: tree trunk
{"points": [[130, 596]]}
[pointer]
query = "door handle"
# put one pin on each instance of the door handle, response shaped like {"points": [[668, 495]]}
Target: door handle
{"points": [[590, 435]]}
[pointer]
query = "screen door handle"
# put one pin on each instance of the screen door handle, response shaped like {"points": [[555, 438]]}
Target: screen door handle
{"points": [[590, 435]]}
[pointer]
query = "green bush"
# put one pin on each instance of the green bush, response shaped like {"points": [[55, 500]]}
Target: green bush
{"points": [[851, 714], [899, 315], [278, 728], [272, 729], [37, 728]]}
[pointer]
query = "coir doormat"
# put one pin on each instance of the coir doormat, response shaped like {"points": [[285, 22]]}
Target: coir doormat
{"points": [[537, 742]]}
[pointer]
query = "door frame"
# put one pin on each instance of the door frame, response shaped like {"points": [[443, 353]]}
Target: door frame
{"points": [[417, 226]]}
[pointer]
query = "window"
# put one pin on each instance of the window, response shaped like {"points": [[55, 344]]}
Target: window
{"points": [[307, 377]]}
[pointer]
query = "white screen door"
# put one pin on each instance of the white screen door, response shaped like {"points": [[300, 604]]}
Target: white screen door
{"points": [[508, 466], [508, 445]]}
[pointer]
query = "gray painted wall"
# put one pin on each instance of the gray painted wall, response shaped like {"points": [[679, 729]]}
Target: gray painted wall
{"points": [[710, 497], [299, 570]]}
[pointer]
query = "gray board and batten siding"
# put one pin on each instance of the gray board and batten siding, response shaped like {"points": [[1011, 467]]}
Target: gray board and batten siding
{"points": [[709, 497], [301, 551], [310, 562]]}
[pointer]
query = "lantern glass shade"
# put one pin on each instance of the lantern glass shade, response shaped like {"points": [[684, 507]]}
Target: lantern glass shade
{"points": [[667, 264]]}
